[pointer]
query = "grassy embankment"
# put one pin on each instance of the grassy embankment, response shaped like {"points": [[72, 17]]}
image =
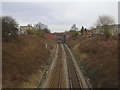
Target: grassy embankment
{"points": [[98, 59], [25, 60]]}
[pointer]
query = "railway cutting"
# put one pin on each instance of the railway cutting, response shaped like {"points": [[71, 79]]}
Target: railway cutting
{"points": [[64, 71]]}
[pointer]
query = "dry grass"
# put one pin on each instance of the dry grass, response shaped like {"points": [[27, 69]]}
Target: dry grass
{"points": [[23, 58], [99, 60]]}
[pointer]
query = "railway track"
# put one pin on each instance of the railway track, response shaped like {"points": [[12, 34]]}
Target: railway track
{"points": [[65, 72], [76, 78], [57, 79], [73, 78]]}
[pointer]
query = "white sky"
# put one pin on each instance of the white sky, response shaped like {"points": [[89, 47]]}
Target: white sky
{"points": [[59, 16], [59, 0]]}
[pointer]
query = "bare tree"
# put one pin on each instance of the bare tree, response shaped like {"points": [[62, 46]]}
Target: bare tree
{"points": [[40, 26], [104, 23], [105, 20], [73, 28]]}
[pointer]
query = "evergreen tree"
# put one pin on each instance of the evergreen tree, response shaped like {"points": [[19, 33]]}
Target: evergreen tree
{"points": [[82, 30]]}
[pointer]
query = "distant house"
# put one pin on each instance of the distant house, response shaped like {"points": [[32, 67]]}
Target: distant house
{"points": [[23, 29], [97, 30], [114, 30]]}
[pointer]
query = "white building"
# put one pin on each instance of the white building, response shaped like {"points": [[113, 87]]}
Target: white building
{"points": [[114, 30], [23, 29]]}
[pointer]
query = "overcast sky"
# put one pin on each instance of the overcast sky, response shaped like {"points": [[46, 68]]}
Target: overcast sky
{"points": [[59, 16]]}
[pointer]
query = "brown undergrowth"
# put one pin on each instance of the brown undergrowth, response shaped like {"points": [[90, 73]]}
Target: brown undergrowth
{"points": [[24, 57], [98, 59]]}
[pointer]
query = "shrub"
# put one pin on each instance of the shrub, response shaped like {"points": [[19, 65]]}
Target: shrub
{"points": [[75, 34], [30, 32], [40, 33]]}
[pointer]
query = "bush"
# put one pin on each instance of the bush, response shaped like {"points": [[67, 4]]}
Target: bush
{"points": [[106, 32], [30, 32], [105, 22], [75, 34], [39, 33]]}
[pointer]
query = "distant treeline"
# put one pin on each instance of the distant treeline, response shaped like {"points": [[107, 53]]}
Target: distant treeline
{"points": [[10, 29]]}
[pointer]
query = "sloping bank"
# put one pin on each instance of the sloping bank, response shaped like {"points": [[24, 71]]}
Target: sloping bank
{"points": [[98, 60], [25, 60]]}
